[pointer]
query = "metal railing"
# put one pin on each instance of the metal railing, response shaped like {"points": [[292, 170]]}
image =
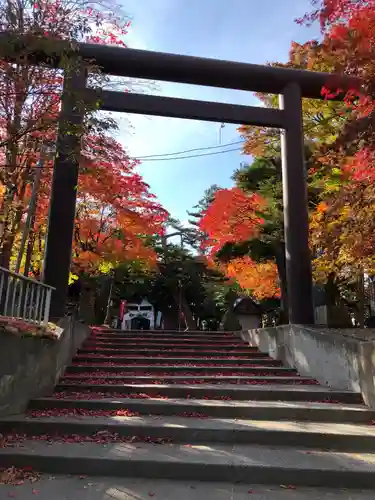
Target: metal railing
{"points": [[24, 298]]}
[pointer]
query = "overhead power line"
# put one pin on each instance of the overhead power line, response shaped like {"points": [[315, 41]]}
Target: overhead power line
{"points": [[191, 156], [191, 150], [165, 158]]}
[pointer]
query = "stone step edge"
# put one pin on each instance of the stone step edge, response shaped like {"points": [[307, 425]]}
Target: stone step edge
{"points": [[222, 378], [118, 402], [180, 361], [124, 335], [190, 432], [184, 470], [238, 392], [171, 340], [234, 352], [196, 345], [156, 368], [234, 358], [160, 330], [319, 412]]}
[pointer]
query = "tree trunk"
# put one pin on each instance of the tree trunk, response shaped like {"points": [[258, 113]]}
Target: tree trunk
{"points": [[11, 223], [170, 318], [361, 301], [109, 311], [29, 252], [190, 321], [8, 227], [6, 205], [101, 302], [6, 240], [229, 321], [337, 313], [281, 268], [87, 302]]}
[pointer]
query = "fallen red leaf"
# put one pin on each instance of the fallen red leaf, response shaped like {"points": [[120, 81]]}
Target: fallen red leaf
{"points": [[151, 494], [81, 412], [15, 476], [107, 395], [100, 437]]}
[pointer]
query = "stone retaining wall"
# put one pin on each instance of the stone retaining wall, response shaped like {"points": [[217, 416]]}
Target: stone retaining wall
{"points": [[31, 366], [339, 359]]}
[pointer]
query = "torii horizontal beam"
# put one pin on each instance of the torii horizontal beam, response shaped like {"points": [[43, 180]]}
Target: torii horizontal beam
{"points": [[210, 72], [173, 107], [135, 63]]}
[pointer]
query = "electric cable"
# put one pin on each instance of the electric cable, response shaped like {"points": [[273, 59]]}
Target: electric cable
{"points": [[191, 150], [165, 158]]}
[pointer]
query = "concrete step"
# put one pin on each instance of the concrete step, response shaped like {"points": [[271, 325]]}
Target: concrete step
{"points": [[175, 379], [162, 331], [171, 338], [255, 410], [98, 355], [120, 348], [227, 463], [251, 354], [312, 435], [239, 392], [155, 355], [145, 343], [62, 487], [158, 335], [272, 370]]}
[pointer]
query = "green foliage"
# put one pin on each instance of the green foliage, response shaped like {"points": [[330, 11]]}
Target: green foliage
{"points": [[178, 271], [203, 204]]}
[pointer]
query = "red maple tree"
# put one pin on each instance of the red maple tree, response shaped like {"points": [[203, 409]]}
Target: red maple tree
{"points": [[233, 216], [342, 228], [348, 27]]}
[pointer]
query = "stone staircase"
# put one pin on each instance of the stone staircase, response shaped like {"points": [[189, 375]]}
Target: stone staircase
{"points": [[194, 406]]}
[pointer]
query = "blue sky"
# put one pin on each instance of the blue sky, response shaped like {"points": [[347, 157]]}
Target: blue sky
{"points": [[255, 31]]}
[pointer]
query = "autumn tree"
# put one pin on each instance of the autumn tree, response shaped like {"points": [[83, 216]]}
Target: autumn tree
{"points": [[323, 120], [116, 213], [263, 176], [342, 227], [30, 95], [235, 217], [180, 282], [196, 213]]}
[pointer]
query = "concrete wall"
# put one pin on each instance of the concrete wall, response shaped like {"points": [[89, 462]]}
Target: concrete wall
{"points": [[30, 366], [341, 359]]}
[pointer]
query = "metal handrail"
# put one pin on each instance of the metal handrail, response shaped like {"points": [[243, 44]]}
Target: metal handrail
{"points": [[24, 298]]}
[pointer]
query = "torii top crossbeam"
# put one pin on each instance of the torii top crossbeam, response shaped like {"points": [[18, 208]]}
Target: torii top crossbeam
{"points": [[119, 61], [209, 72]]}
